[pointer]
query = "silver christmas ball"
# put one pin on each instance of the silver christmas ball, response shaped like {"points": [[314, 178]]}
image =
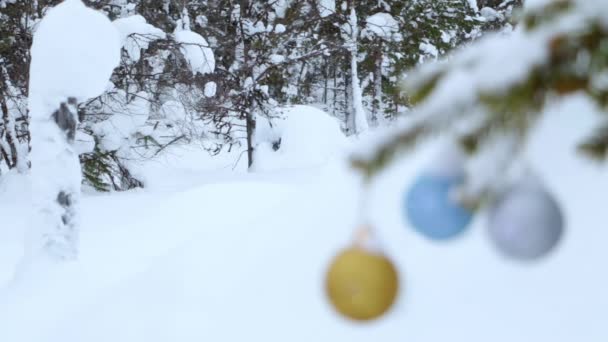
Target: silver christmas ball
{"points": [[526, 222]]}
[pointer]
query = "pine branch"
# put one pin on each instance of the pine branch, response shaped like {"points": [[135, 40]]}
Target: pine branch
{"points": [[567, 48], [596, 146]]}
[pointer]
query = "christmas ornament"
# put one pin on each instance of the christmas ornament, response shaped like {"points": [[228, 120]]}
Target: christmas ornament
{"points": [[362, 283], [431, 207], [526, 222]]}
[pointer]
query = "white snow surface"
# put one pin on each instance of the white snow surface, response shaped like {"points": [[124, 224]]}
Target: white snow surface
{"points": [[137, 35], [82, 73], [490, 14], [277, 59], [449, 161], [280, 28], [309, 138], [473, 4], [84, 143], [429, 49], [280, 7], [207, 254], [382, 24], [210, 89], [197, 51], [118, 128], [327, 7]]}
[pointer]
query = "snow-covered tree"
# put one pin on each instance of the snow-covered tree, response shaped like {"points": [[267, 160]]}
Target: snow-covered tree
{"points": [[265, 54], [381, 33], [399, 35], [17, 19], [74, 52], [392, 37], [152, 104], [261, 48], [153, 68]]}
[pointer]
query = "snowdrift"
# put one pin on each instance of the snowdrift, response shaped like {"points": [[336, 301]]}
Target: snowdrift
{"points": [[306, 137]]}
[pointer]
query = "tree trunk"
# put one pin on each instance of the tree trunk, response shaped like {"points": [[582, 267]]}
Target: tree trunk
{"points": [[378, 108], [242, 59], [334, 92], [351, 126], [250, 123], [325, 84]]}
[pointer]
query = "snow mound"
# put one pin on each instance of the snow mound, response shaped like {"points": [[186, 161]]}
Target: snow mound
{"points": [[306, 137], [197, 52], [83, 72]]}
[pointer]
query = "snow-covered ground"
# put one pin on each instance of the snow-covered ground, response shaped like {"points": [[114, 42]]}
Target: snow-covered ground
{"points": [[208, 253]]}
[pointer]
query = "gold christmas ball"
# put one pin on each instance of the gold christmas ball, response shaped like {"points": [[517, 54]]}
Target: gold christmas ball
{"points": [[361, 284]]}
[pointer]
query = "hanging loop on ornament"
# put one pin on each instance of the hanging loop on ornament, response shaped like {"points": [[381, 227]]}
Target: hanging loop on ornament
{"points": [[488, 171], [362, 235], [517, 173], [365, 238], [362, 218], [363, 206]]}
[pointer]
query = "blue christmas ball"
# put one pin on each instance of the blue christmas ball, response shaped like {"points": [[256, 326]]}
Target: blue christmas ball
{"points": [[432, 211]]}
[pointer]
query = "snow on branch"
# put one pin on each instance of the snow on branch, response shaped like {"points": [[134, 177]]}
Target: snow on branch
{"points": [[559, 49], [137, 35], [382, 25]]}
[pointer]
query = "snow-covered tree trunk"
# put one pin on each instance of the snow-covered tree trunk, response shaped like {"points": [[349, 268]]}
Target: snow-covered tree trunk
{"points": [[360, 118], [12, 150], [74, 52], [56, 178], [8, 140]]}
